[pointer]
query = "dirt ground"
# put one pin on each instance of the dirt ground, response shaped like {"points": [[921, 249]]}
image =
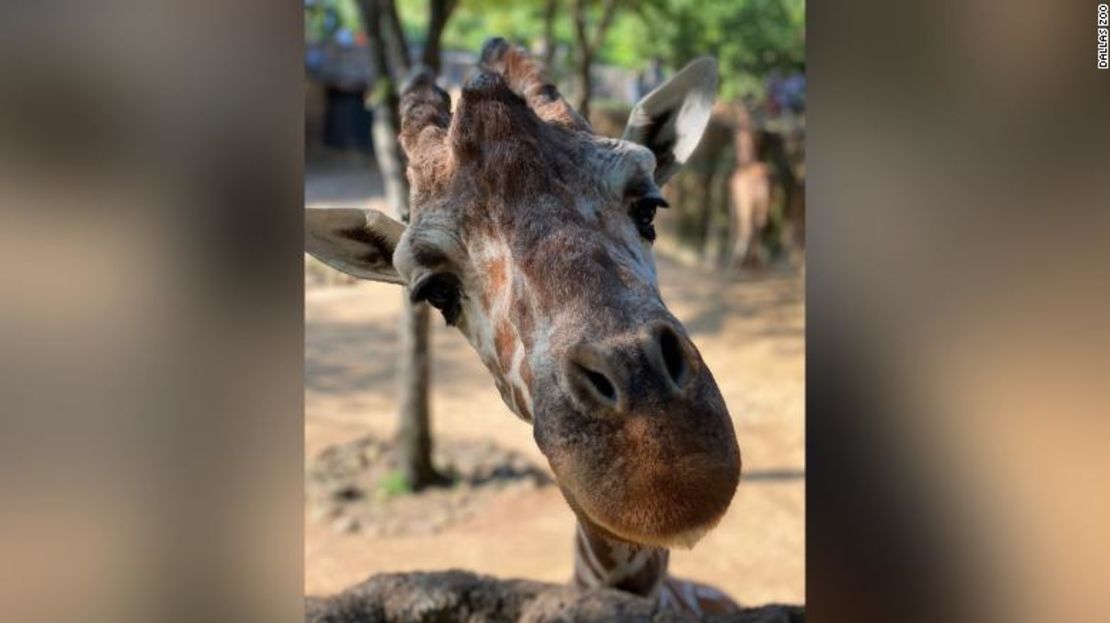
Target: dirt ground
{"points": [[751, 333]]}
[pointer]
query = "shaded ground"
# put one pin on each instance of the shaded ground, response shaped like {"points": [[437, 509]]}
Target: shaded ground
{"points": [[356, 486], [750, 332]]}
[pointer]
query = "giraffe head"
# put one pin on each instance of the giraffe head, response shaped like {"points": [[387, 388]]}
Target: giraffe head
{"points": [[532, 235]]}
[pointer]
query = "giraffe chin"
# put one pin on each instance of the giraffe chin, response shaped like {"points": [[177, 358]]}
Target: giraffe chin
{"points": [[683, 538], [656, 497]]}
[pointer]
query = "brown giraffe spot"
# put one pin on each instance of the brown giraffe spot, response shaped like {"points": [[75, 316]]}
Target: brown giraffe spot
{"points": [[505, 344], [526, 373], [643, 581], [601, 548], [585, 558], [497, 276]]}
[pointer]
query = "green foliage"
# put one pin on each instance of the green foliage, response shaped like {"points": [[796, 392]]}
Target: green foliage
{"points": [[393, 484], [323, 18], [473, 21], [749, 38]]}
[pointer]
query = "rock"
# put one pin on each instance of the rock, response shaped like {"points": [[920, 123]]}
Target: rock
{"points": [[447, 596], [346, 525]]}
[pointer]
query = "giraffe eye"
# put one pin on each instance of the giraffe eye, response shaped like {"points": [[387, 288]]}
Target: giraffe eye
{"points": [[442, 291], [643, 215]]}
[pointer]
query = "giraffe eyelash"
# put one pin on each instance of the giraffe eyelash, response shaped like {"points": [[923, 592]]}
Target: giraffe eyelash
{"points": [[642, 212], [442, 291]]}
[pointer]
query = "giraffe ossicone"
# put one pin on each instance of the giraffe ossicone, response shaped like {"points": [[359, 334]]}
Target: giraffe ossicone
{"points": [[533, 236]]}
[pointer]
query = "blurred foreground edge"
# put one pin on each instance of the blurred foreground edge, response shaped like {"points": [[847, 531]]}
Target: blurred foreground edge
{"points": [[464, 596]]}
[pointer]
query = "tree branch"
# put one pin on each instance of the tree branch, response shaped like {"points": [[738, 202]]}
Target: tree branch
{"points": [[591, 44], [551, 8], [372, 18], [608, 13], [395, 35], [438, 14], [580, 32]]}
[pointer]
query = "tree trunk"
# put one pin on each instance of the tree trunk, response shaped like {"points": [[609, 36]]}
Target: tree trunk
{"points": [[585, 61], [387, 150], [414, 435], [414, 438], [589, 46]]}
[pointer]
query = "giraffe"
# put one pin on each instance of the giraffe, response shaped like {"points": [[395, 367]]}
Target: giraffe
{"points": [[750, 188], [532, 236]]}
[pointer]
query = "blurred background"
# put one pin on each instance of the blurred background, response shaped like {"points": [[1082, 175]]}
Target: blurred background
{"points": [[413, 462], [152, 428]]}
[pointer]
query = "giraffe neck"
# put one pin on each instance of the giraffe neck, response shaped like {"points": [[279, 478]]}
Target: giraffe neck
{"points": [[603, 562]]}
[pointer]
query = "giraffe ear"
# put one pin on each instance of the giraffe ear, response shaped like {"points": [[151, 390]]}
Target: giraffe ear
{"points": [[671, 119], [357, 242]]}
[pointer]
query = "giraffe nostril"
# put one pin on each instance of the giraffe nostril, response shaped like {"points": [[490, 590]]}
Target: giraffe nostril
{"points": [[590, 377], [674, 357], [599, 382]]}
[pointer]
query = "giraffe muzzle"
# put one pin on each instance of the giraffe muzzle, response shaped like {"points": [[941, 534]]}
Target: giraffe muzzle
{"points": [[641, 442]]}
